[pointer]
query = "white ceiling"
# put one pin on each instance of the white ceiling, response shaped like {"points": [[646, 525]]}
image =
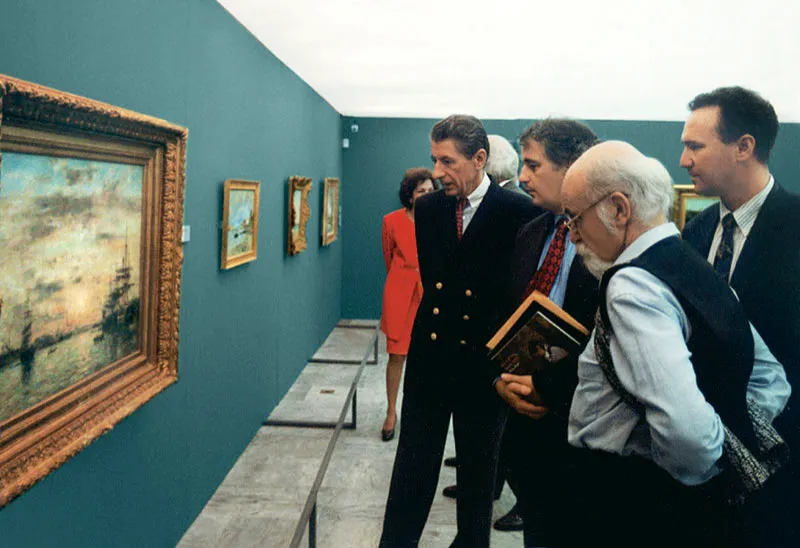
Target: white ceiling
{"points": [[590, 59]]}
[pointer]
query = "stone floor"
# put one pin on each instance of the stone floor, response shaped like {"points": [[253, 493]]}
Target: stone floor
{"points": [[262, 497]]}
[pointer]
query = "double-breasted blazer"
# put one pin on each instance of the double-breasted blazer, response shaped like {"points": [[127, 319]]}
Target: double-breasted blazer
{"points": [[464, 282]]}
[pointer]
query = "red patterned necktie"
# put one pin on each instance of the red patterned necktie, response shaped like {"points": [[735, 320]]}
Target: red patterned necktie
{"points": [[545, 277], [460, 203]]}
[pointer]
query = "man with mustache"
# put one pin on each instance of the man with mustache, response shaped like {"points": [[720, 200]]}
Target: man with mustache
{"points": [[536, 435], [753, 241], [670, 376], [465, 236]]}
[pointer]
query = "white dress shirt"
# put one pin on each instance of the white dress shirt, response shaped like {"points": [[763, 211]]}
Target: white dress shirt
{"points": [[473, 201], [745, 218]]}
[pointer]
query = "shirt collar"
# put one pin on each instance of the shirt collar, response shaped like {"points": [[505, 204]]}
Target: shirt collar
{"points": [[646, 241], [745, 216], [507, 182], [478, 194]]}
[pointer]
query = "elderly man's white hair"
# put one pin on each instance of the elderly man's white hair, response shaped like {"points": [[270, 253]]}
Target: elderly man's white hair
{"points": [[622, 168], [503, 162]]}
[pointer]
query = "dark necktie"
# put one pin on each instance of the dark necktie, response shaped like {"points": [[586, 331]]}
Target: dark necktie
{"points": [[460, 216], [724, 256], [545, 277]]}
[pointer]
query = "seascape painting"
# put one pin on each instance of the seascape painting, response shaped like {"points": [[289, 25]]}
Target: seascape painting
{"points": [[241, 221], [70, 241]]}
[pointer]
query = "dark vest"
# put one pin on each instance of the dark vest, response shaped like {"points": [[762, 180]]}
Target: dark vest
{"points": [[721, 342]]}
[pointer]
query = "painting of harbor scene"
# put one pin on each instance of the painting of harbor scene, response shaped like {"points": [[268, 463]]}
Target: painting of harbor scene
{"points": [[239, 222], [70, 242], [242, 218]]}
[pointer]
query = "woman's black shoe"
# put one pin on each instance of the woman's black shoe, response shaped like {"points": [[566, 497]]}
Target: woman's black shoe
{"points": [[387, 435]]}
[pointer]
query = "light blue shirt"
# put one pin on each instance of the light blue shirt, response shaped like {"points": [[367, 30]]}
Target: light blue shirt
{"points": [[679, 431], [559, 289]]}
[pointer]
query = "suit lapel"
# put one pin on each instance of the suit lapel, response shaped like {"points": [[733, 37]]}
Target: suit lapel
{"points": [[706, 231], [763, 234], [531, 253], [448, 231]]}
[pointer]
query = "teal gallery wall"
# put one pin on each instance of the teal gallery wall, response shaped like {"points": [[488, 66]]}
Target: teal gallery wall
{"points": [[245, 333], [383, 148]]}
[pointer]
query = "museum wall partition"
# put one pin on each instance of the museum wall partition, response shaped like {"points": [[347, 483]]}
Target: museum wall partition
{"points": [[383, 148], [147, 89]]}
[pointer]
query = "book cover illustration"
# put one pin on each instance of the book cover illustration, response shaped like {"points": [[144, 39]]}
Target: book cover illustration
{"points": [[537, 344]]}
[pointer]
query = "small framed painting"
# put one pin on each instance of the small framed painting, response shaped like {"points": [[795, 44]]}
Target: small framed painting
{"points": [[299, 213], [330, 211], [688, 204], [239, 223]]}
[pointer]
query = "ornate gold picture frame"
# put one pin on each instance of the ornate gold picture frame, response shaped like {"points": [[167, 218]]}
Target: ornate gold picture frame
{"points": [[239, 223], [90, 286], [299, 213], [330, 211], [687, 205]]}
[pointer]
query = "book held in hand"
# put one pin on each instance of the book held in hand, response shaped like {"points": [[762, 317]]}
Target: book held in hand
{"points": [[539, 333]]}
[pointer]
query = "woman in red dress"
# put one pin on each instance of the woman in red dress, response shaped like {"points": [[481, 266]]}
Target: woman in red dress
{"points": [[403, 290]]}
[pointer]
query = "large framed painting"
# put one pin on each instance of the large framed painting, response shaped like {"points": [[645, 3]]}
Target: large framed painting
{"points": [[688, 204], [330, 211], [299, 213], [91, 208], [239, 223]]}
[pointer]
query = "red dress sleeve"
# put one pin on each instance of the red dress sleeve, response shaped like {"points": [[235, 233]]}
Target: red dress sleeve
{"points": [[387, 243], [403, 290]]}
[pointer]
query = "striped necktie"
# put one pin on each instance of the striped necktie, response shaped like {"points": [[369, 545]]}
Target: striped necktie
{"points": [[460, 216], [724, 256]]}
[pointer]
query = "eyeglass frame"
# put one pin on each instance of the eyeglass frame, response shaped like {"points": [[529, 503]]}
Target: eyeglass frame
{"points": [[572, 220]]}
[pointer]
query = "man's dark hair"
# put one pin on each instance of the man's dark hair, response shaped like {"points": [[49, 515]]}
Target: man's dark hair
{"points": [[563, 140], [466, 131], [742, 111], [413, 178]]}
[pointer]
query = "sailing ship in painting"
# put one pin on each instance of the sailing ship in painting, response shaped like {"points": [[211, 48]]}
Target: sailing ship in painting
{"points": [[241, 220], [70, 241]]}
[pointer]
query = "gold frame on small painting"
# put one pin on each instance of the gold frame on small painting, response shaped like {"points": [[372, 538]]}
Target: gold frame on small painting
{"points": [[40, 121], [680, 205], [229, 261], [299, 214], [330, 211]]}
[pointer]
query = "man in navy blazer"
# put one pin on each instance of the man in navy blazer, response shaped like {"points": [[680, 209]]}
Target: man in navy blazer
{"points": [[752, 238], [536, 435], [465, 236]]}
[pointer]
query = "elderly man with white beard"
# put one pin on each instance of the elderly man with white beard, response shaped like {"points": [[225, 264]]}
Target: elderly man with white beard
{"points": [[676, 390]]}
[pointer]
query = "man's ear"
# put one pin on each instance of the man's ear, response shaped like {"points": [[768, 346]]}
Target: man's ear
{"points": [[622, 208], [745, 147], [479, 158]]}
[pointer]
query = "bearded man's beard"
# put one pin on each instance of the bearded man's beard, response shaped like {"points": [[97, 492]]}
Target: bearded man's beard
{"points": [[593, 263]]}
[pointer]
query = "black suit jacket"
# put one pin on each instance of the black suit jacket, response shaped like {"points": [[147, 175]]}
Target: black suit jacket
{"points": [[464, 282], [767, 281], [555, 385]]}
